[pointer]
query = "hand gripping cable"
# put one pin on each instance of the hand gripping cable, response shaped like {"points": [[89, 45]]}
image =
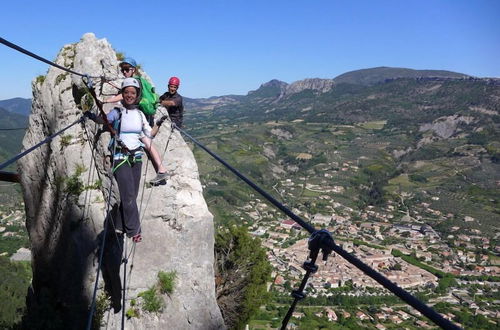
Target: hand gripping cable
{"points": [[88, 82]]}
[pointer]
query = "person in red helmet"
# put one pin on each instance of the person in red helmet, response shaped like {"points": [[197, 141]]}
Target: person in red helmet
{"points": [[173, 102]]}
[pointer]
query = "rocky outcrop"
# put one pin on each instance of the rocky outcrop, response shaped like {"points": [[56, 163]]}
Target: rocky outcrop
{"points": [[315, 84], [270, 90], [277, 89], [445, 127], [211, 102], [66, 185]]}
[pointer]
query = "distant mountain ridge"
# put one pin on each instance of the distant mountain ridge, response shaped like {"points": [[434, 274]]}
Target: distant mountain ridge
{"points": [[12, 119], [276, 89], [412, 130], [379, 74], [17, 105], [10, 140]]}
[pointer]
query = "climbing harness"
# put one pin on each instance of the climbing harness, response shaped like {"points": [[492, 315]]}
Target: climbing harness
{"points": [[88, 82], [130, 159]]}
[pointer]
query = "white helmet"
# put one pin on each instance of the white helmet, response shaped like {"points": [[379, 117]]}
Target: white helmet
{"points": [[131, 82]]}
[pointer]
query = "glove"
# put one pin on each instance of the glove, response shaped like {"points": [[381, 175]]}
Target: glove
{"points": [[99, 103], [160, 121], [90, 115]]}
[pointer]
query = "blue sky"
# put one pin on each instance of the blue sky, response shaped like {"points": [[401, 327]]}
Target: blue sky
{"points": [[232, 47]]}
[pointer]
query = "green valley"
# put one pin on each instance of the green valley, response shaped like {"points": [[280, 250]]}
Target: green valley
{"points": [[409, 164]]}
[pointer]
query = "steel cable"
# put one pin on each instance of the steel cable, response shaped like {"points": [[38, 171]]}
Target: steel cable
{"points": [[430, 313]]}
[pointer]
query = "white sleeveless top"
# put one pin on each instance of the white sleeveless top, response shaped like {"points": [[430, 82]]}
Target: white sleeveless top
{"points": [[133, 126]]}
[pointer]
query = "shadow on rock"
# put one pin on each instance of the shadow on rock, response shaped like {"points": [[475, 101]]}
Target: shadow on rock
{"points": [[112, 260]]}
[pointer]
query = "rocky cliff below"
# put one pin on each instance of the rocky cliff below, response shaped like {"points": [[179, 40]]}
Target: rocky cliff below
{"points": [[66, 185]]}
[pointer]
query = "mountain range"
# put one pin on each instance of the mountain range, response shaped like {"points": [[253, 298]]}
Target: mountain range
{"points": [[276, 87], [12, 128], [433, 135], [365, 77], [17, 105], [422, 124], [390, 146]]}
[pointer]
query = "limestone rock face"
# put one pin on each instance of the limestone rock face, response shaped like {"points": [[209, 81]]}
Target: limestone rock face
{"points": [[445, 127], [66, 185], [315, 84], [282, 89]]}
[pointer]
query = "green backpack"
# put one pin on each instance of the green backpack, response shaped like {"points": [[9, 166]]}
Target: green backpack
{"points": [[149, 99]]}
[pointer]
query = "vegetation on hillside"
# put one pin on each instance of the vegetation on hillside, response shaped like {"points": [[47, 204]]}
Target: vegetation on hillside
{"points": [[425, 138], [242, 271], [16, 277], [426, 149], [423, 150]]}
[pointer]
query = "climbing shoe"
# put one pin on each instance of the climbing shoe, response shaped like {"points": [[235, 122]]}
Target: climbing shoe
{"points": [[159, 178]]}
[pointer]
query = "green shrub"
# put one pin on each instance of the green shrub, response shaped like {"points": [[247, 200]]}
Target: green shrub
{"points": [[132, 312], [66, 140], [166, 281], [87, 102], [242, 265], [96, 185], [102, 305], [40, 79], [75, 186], [60, 78], [152, 302]]}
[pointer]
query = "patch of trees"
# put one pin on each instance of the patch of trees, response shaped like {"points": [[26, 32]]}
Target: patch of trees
{"points": [[465, 318], [16, 277], [370, 183], [481, 278], [417, 178], [242, 270], [347, 301]]}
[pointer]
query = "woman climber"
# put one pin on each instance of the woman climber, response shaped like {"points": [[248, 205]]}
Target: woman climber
{"points": [[134, 133], [147, 104]]}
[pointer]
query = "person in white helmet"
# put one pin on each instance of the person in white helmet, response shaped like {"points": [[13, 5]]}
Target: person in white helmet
{"points": [[128, 67], [134, 133]]}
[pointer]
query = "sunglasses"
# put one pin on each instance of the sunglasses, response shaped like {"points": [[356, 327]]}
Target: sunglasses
{"points": [[127, 69]]}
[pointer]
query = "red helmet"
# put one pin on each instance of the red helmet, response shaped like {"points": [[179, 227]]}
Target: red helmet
{"points": [[174, 81]]}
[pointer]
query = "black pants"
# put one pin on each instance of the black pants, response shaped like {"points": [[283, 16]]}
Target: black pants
{"points": [[128, 177]]}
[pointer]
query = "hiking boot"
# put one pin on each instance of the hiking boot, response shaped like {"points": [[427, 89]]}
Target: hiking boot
{"points": [[159, 178]]}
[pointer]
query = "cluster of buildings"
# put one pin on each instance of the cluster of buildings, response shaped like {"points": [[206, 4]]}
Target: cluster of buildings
{"points": [[372, 236]]}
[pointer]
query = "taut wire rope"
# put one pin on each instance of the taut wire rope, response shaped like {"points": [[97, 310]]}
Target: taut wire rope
{"points": [[326, 244], [48, 139]]}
